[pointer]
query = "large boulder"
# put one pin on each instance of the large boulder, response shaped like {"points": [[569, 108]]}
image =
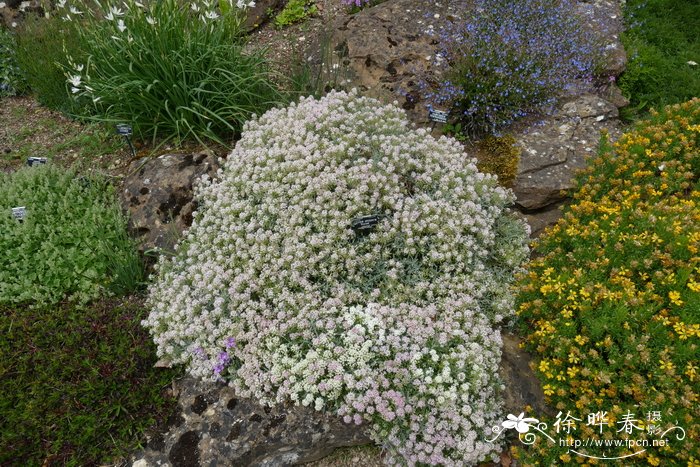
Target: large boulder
{"points": [[215, 427], [157, 195], [389, 46], [555, 148]]}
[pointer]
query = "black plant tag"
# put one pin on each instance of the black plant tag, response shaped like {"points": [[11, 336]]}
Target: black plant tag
{"points": [[364, 224], [438, 116], [124, 129], [19, 213], [32, 161]]}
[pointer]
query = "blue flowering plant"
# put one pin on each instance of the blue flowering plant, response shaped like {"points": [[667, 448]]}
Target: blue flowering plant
{"points": [[505, 60]]}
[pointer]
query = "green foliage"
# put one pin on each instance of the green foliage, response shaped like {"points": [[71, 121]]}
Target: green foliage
{"points": [[294, 12], [73, 241], [610, 303], [40, 55], [12, 82], [499, 155], [169, 71], [661, 38], [77, 386]]}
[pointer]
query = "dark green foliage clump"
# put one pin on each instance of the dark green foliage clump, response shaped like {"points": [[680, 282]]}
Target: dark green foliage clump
{"points": [[77, 386], [662, 43]]}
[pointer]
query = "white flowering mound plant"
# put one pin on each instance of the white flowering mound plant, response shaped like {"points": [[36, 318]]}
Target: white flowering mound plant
{"points": [[274, 291]]}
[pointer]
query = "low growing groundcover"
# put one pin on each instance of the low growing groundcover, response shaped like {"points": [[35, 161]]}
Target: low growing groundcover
{"points": [[77, 385], [611, 307]]}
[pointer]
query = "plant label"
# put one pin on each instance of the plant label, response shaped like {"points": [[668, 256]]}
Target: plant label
{"points": [[32, 161], [365, 223], [19, 213], [124, 129], [438, 116]]}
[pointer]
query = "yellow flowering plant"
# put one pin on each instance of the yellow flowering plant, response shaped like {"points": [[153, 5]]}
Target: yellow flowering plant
{"points": [[611, 304]]}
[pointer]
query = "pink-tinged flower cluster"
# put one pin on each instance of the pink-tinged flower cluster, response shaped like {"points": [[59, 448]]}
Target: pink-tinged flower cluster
{"points": [[396, 328]]}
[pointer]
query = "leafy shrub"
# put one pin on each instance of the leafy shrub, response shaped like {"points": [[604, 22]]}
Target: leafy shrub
{"points": [[40, 54], [12, 82], [499, 155], [170, 69], [295, 11], [662, 44], [78, 385], [274, 291], [72, 242], [510, 59], [611, 306]]}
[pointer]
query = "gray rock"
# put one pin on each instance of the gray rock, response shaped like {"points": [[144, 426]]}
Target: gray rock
{"points": [[555, 148], [522, 386], [389, 46], [217, 428], [157, 195], [606, 21], [259, 14]]}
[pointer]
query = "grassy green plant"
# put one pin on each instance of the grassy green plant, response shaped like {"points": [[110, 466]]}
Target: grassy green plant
{"points": [[171, 70], [72, 242], [77, 386], [610, 305], [295, 11], [12, 82], [662, 43], [40, 55]]}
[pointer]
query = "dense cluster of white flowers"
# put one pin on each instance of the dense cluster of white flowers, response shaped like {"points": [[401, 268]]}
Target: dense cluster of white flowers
{"points": [[275, 292]]}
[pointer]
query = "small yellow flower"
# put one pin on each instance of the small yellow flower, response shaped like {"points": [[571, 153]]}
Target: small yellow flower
{"points": [[675, 298], [548, 389], [694, 286], [691, 371], [664, 365], [580, 340]]}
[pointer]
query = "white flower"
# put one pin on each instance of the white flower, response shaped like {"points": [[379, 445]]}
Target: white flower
{"points": [[692, 63], [519, 423], [151, 20], [75, 11], [61, 3], [109, 16], [194, 7], [75, 80], [116, 11], [211, 15], [121, 26], [14, 24], [79, 68]]}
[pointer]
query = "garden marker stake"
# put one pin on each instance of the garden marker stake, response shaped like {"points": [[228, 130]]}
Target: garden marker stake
{"points": [[125, 130]]}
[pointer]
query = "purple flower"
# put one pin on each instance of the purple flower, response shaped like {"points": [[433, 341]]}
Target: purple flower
{"points": [[230, 342]]}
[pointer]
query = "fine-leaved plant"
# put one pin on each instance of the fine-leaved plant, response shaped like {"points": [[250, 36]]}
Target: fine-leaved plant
{"points": [[508, 59], [172, 70]]}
